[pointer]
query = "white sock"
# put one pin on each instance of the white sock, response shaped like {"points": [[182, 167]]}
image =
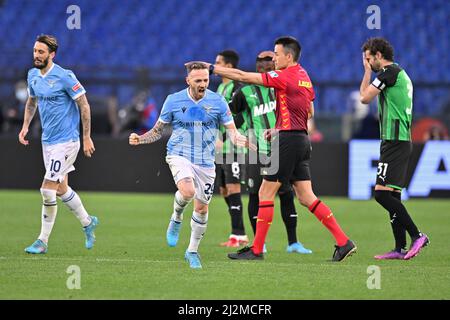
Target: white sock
{"points": [[49, 209], [179, 204], [198, 229], [73, 202]]}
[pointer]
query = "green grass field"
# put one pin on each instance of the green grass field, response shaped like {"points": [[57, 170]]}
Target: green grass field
{"points": [[132, 261]]}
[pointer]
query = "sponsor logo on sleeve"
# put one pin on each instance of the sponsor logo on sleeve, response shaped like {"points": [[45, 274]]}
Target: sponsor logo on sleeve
{"points": [[76, 87], [273, 74], [306, 84]]}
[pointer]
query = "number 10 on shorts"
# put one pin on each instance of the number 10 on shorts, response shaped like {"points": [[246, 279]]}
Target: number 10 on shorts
{"points": [[55, 166]]}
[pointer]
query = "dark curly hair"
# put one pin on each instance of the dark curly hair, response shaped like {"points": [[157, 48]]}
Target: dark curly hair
{"points": [[381, 45]]}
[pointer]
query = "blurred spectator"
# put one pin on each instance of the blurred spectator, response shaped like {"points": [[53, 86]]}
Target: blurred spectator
{"points": [[314, 134], [13, 110], [104, 115], [140, 115], [369, 127], [352, 120], [358, 109], [429, 129]]}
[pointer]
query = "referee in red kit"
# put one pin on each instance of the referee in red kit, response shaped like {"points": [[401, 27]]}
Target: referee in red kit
{"points": [[294, 106]]}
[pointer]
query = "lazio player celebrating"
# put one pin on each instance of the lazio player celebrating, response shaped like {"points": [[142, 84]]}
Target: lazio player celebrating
{"points": [[195, 114], [57, 92]]}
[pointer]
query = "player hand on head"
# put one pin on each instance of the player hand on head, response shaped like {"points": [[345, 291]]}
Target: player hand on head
{"points": [[366, 63], [134, 139], [22, 135], [88, 147]]}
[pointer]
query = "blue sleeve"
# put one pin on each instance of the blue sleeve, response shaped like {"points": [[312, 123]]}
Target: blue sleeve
{"points": [[225, 113], [166, 111], [72, 86], [29, 88]]}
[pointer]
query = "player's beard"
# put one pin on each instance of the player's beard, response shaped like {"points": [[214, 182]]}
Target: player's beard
{"points": [[41, 66], [376, 67]]}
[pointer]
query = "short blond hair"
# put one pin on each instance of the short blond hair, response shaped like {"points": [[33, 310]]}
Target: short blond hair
{"points": [[195, 66]]}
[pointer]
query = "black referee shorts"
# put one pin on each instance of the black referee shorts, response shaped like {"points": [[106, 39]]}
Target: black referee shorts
{"points": [[393, 164], [290, 155], [255, 174]]}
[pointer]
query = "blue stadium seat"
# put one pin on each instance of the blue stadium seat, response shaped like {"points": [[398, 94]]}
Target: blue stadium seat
{"points": [[168, 33]]}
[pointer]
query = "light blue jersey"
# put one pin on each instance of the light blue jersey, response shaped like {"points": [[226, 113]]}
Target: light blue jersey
{"points": [[55, 92], [195, 125]]}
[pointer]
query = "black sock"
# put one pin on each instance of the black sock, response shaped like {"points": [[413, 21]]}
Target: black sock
{"points": [[289, 215], [227, 201], [397, 228], [235, 210], [253, 207], [392, 204]]}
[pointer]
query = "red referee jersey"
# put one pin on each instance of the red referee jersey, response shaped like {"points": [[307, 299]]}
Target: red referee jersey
{"points": [[294, 95]]}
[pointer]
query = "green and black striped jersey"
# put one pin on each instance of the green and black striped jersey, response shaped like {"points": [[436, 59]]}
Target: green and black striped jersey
{"points": [[227, 91], [254, 107], [395, 103]]}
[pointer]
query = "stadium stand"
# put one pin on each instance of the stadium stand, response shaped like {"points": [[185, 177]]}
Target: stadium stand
{"points": [[162, 35]]}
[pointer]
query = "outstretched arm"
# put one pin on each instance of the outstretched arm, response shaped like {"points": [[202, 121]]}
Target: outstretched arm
{"points": [[30, 110], [150, 136], [239, 75], [235, 74], [85, 110]]}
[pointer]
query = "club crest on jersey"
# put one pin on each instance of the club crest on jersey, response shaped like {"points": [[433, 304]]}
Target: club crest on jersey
{"points": [[273, 74], [207, 108], [76, 87], [51, 83]]}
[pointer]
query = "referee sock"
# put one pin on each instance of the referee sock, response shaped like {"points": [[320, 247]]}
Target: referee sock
{"points": [[265, 217], [235, 210], [324, 214], [73, 202], [392, 204], [253, 206], [397, 228], [49, 210], [289, 215]]}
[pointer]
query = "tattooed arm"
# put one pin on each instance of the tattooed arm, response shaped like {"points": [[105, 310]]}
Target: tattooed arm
{"points": [[85, 110], [30, 110], [150, 136]]}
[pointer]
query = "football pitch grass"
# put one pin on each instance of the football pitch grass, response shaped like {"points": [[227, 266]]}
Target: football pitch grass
{"points": [[132, 261]]}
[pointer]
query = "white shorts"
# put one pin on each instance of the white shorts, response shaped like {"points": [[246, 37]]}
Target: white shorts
{"points": [[203, 177], [59, 159]]}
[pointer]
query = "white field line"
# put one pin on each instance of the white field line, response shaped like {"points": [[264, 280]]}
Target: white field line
{"points": [[144, 261]]}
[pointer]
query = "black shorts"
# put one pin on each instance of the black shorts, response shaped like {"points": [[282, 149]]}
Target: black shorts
{"points": [[254, 176], [230, 174], [393, 164], [290, 154]]}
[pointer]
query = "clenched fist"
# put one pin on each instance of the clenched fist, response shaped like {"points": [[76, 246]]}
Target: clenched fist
{"points": [[134, 139]]}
